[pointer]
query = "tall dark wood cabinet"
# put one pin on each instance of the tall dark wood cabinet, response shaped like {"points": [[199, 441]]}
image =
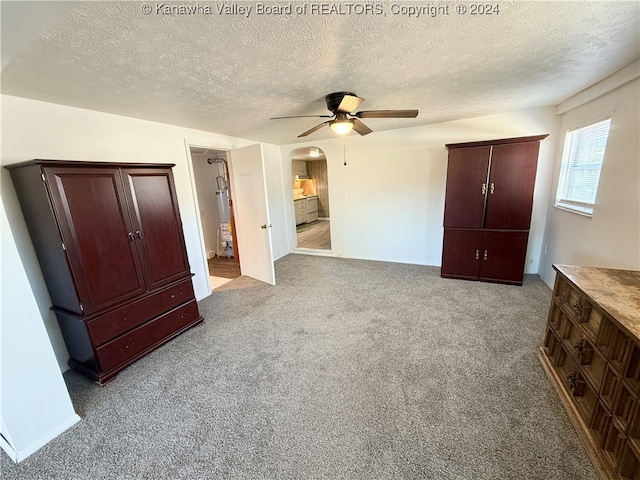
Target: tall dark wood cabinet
{"points": [[487, 213], [110, 244]]}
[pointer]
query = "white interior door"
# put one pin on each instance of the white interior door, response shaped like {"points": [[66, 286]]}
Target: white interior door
{"points": [[253, 225]]}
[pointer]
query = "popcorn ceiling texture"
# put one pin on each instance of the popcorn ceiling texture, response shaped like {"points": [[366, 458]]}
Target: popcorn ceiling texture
{"points": [[229, 73]]}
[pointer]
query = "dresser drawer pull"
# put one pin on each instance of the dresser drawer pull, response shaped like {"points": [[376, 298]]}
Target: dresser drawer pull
{"points": [[578, 308]]}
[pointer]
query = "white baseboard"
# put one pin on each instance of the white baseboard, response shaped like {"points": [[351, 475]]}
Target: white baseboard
{"points": [[19, 455], [13, 455]]}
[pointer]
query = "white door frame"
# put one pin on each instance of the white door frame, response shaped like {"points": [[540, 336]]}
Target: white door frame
{"points": [[188, 143]]}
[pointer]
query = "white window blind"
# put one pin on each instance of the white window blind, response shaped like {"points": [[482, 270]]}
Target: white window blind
{"points": [[581, 163]]}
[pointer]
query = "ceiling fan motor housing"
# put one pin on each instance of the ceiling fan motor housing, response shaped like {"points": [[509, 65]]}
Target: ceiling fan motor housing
{"points": [[334, 99]]}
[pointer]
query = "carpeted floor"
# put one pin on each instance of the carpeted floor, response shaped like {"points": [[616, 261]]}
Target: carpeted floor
{"points": [[345, 369]]}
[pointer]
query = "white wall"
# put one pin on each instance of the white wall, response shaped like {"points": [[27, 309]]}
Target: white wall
{"points": [[387, 203], [34, 404], [611, 238]]}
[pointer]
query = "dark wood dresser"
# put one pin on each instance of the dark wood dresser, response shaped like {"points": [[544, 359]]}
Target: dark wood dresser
{"points": [[591, 353], [109, 240]]}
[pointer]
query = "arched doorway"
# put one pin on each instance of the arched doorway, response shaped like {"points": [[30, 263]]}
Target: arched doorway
{"points": [[310, 184]]}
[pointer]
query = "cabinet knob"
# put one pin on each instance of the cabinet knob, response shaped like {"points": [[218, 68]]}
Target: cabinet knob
{"points": [[477, 254], [492, 187], [131, 237], [484, 189], [485, 254], [139, 234]]}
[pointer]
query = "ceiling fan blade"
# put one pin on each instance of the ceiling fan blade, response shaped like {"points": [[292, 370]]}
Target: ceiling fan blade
{"points": [[302, 116], [360, 127], [311, 130], [387, 114], [349, 103]]}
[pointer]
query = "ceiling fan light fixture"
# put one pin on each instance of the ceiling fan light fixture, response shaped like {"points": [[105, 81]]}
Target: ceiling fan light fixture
{"points": [[341, 127]]}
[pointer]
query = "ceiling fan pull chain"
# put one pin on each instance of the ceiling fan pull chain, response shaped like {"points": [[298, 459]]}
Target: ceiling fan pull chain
{"points": [[344, 150]]}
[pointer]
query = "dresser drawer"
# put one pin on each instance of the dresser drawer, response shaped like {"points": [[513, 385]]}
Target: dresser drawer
{"points": [[132, 345], [110, 325]]}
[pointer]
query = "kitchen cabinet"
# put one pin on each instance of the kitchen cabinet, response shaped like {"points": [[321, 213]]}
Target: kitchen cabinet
{"points": [[299, 167], [306, 209], [488, 204], [110, 245], [300, 207], [312, 209], [591, 354]]}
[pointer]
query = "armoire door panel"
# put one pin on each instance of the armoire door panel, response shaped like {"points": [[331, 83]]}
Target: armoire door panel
{"points": [[461, 253], [510, 187], [503, 256], [466, 187], [158, 233], [93, 220]]}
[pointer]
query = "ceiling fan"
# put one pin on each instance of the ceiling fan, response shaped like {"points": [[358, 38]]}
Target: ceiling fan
{"points": [[343, 120]]}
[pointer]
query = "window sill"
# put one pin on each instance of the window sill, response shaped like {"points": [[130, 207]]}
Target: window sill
{"points": [[577, 211]]}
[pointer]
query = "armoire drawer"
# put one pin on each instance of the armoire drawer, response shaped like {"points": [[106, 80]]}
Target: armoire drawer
{"points": [[131, 345], [110, 325]]}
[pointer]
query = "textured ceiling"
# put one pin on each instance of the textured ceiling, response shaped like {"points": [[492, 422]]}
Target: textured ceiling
{"points": [[228, 73]]}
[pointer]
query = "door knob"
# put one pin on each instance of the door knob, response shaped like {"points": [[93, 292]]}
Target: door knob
{"points": [[265, 226]]}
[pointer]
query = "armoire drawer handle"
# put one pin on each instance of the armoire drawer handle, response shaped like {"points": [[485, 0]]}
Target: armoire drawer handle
{"points": [[477, 254], [131, 237], [139, 234], [484, 189]]}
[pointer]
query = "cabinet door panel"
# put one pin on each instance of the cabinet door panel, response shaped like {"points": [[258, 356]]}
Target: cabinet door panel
{"points": [[94, 222], [461, 253], [511, 183], [503, 255], [465, 198], [154, 209]]}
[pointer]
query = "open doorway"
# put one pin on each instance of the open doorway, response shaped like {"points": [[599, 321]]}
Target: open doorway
{"points": [[310, 184], [211, 175]]}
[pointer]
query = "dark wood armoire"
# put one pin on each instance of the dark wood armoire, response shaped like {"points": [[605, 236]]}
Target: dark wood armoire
{"points": [[109, 240], [487, 213]]}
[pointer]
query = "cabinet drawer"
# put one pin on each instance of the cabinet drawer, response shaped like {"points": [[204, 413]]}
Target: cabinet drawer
{"points": [[110, 325], [312, 216], [132, 345]]}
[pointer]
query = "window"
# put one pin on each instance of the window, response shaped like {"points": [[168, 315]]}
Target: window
{"points": [[581, 163]]}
